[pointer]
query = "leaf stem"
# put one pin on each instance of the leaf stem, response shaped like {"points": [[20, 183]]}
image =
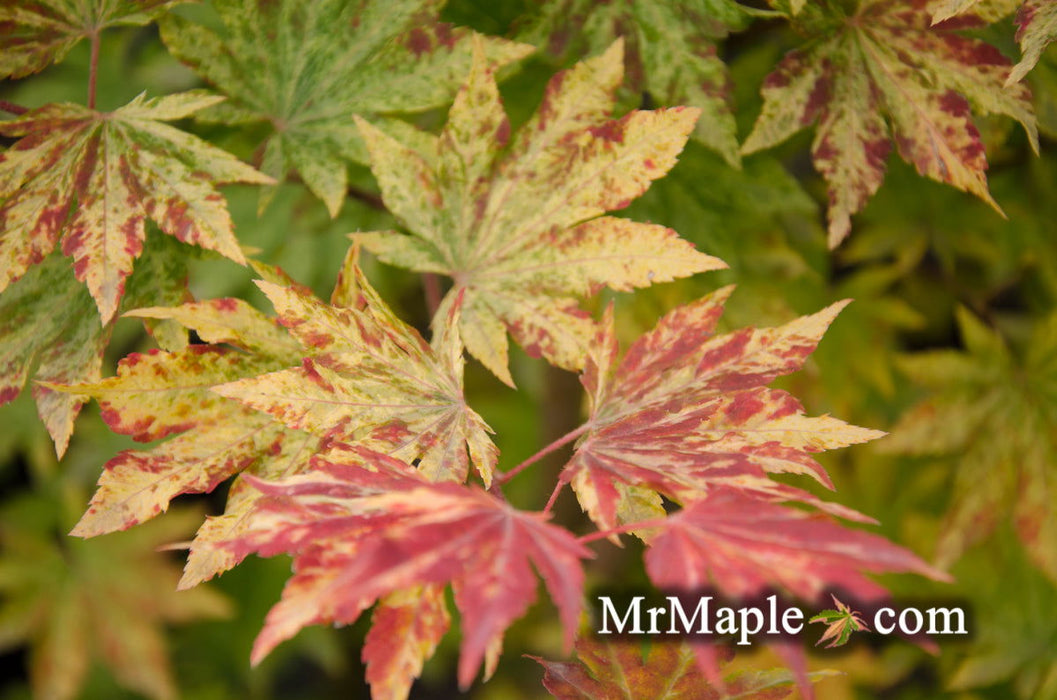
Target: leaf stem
{"points": [[93, 69], [431, 285], [563, 440], [12, 108], [622, 529], [554, 495]]}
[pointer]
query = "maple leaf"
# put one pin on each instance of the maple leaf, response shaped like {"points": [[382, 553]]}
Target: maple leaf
{"points": [[93, 178], [840, 624], [622, 668], [743, 545], [987, 10], [107, 599], [367, 525], [373, 377], [671, 52], [686, 410], [975, 394], [880, 74], [307, 66], [1036, 28], [52, 332], [518, 226], [35, 34]]}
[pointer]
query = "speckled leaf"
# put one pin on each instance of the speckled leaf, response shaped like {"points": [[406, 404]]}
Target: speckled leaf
{"points": [[1036, 28], [37, 33], [686, 410], [405, 629], [307, 66], [975, 394], [742, 546], [369, 525], [373, 377], [107, 600], [880, 75], [92, 179], [619, 669], [987, 10], [671, 52], [519, 229]]}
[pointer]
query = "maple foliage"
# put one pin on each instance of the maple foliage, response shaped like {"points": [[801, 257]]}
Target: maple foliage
{"points": [[105, 600], [35, 34], [671, 52], [516, 221], [92, 179], [614, 669], [984, 388], [840, 624], [366, 525], [686, 410], [881, 74], [305, 67]]}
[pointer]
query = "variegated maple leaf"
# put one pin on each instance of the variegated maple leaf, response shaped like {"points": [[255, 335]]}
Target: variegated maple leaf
{"points": [[518, 226], [883, 73], [840, 624], [37, 33], [686, 410], [51, 331], [671, 52], [742, 546], [307, 66], [92, 179], [1036, 28], [372, 377], [608, 669], [366, 526]]}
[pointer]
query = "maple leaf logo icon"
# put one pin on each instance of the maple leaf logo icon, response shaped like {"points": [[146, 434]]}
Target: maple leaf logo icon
{"points": [[840, 624]]}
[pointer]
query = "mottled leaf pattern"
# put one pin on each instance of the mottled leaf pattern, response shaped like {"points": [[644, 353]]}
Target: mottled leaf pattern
{"points": [[885, 74], [742, 546], [367, 526], [92, 179], [37, 33], [1036, 28], [307, 66], [405, 629], [974, 395], [520, 229], [686, 410], [372, 377], [617, 669], [671, 52]]}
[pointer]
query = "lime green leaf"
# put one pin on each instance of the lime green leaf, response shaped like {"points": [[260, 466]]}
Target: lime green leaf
{"points": [[306, 67], [519, 229]]}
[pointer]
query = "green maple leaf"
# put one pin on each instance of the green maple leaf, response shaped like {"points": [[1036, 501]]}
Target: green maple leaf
{"points": [[35, 34], [997, 413], [92, 179], [74, 601], [840, 624], [671, 52], [882, 74], [518, 225], [306, 67]]}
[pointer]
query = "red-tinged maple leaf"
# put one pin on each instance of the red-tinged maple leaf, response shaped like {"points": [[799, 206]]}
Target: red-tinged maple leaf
{"points": [[1036, 28], [37, 33], [742, 546], [92, 179], [880, 74], [369, 526], [373, 377], [686, 410], [303, 68], [623, 669], [405, 629], [519, 227], [840, 624]]}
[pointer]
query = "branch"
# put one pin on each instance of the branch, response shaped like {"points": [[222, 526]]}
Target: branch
{"points": [[93, 70]]}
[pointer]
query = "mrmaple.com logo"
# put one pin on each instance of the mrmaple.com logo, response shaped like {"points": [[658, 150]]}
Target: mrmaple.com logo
{"points": [[709, 615]]}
